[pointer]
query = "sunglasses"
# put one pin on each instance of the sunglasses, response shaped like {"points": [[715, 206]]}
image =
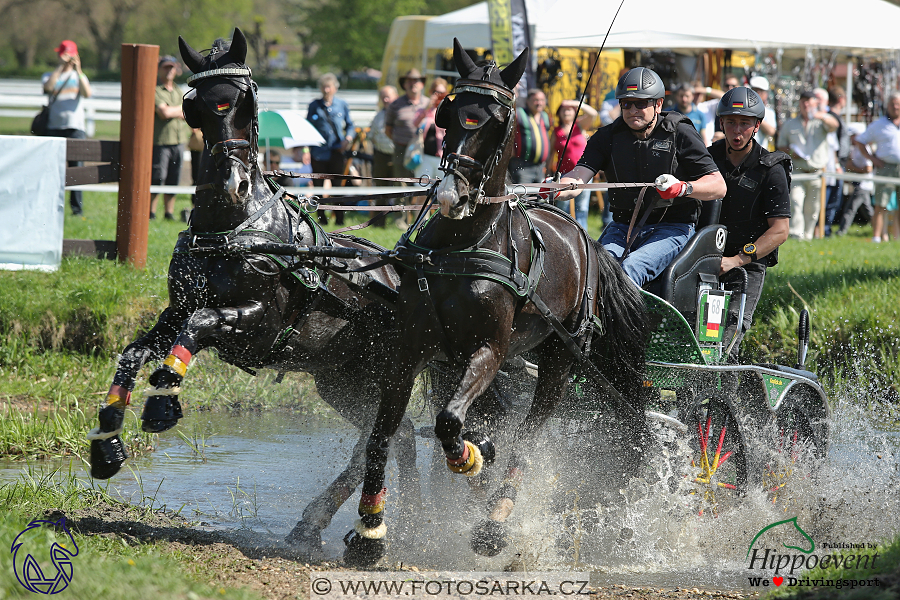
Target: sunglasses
{"points": [[638, 104]]}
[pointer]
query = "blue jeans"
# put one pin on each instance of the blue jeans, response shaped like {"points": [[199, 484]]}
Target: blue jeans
{"points": [[75, 200], [652, 250], [582, 204], [833, 199]]}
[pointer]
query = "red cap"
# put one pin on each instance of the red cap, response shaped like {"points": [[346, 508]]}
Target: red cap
{"points": [[67, 46]]}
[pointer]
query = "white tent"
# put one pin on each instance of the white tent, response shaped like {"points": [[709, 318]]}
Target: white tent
{"points": [[870, 26]]}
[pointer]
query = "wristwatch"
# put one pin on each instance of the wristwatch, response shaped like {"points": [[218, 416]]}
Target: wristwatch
{"points": [[749, 250], [688, 188]]}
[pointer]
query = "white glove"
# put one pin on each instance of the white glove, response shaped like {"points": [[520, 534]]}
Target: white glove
{"points": [[670, 187]]}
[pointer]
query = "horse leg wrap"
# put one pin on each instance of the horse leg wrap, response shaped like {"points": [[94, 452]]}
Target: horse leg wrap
{"points": [[162, 409], [370, 533], [107, 449], [470, 463], [371, 512]]}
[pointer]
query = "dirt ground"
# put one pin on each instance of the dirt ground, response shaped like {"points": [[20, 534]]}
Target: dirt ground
{"points": [[272, 571]]}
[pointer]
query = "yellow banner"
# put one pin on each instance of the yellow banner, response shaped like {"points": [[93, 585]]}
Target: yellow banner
{"points": [[404, 49], [500, 17]]}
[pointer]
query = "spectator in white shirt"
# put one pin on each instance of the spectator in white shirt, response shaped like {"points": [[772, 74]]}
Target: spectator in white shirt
{"points": [[884, 133]]}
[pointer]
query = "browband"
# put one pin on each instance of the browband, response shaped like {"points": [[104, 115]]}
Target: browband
{"points": [[245, 71], [485, 88]]}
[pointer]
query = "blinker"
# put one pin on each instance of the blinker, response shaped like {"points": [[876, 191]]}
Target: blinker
{"points": [[444, 113]]}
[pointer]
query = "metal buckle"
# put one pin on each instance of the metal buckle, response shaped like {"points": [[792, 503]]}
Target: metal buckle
{"points": [[423, 284]]}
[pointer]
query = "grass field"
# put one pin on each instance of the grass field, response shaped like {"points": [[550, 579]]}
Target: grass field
{"points": [[104, 566], [104, 130]]}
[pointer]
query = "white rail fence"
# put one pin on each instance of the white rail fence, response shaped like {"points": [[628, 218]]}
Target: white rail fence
{"points": [[22, 98]]}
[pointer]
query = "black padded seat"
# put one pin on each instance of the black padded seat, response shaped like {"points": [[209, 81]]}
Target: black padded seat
{"points": [[699, 260]]}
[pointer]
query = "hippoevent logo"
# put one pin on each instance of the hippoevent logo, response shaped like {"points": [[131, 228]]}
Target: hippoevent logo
{"points": [[776, 567], [38, 578]]}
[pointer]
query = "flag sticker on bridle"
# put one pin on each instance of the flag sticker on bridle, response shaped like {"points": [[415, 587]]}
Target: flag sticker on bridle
{"points": [[471, 121], [737, 105], [223, 107]]}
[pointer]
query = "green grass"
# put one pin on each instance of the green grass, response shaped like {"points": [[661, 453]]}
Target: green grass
{"points": [[104, 130], [106, 566], [850, 287]]}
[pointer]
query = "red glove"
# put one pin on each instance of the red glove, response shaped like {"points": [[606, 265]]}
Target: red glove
{"points": [[669, 187], [548, 194]]}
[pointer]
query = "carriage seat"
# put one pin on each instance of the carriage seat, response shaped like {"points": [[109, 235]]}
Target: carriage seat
{"points": [[698, 261]]}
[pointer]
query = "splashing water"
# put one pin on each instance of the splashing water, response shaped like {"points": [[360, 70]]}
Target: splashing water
{"points": [[573, 511]]}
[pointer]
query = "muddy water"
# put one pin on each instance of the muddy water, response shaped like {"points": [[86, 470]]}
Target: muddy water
{"points": [[257, 472]]}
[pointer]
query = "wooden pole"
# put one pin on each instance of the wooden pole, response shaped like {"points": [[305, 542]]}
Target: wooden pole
{"points": [[139, 65]]}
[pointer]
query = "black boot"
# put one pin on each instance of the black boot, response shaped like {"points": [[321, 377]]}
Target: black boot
{"points": [[108, 455]]}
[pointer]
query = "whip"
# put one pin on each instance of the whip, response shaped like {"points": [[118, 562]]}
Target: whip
{"points": [[587, 83]]}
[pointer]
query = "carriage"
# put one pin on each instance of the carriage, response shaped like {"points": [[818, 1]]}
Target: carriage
{"points": [[749, 426], [494, 277]]}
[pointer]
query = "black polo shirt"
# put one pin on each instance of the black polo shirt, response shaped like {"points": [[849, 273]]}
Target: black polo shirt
{"points": [[746, 211]]}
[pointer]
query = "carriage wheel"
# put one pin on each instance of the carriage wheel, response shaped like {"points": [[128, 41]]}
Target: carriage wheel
{"points": [[719, 462], [799, 445]]}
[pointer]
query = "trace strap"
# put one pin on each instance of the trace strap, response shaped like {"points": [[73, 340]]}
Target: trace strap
{"points": [[424, 180]]}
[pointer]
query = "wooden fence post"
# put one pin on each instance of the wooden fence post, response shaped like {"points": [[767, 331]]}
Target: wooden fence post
{"points": [[139, 66]]}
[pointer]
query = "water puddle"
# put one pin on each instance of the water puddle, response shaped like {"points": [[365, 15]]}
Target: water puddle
{"points": [[256, 472]]}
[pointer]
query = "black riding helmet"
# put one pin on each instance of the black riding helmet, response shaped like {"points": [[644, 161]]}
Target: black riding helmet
{"points": [[640, 82], [741, 101]]}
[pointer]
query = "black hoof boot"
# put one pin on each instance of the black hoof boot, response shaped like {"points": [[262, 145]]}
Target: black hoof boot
{"points": [[108, 455], [484, 445], [489, 538], [362, 552], [161, 413], [307, 540]]}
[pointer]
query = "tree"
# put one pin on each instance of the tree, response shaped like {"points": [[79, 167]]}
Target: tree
{"points": [[31, 29], [351, 34], [106, 21]]}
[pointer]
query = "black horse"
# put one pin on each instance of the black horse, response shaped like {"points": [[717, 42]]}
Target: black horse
{"points": [[258, 310], [486, 280]]}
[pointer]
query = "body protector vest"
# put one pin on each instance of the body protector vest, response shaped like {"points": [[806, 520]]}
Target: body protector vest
{"points": [[743, 210], [635, 160]]}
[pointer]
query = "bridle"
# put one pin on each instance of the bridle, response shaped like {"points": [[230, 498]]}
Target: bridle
{"points": [[452, 163], [225, 150]]}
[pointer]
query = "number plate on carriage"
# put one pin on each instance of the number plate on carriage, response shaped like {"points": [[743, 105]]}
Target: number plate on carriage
{"points": [[711, 315]]}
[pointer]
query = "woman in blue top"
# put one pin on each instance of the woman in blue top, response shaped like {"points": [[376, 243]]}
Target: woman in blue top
{"points": [[66, 86], [331, 117]]}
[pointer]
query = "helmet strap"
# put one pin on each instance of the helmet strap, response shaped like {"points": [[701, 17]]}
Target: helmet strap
{"points": [[652, 121]]}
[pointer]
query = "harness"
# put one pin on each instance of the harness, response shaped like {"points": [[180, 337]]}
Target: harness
{"points": [[480, 263], [240, 240]]}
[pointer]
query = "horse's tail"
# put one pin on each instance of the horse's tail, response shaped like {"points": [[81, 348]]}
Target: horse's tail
{"points": [[620, 353]]}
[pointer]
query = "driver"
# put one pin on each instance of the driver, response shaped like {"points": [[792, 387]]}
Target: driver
{"points": [[757, 208], [644, 144]]}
